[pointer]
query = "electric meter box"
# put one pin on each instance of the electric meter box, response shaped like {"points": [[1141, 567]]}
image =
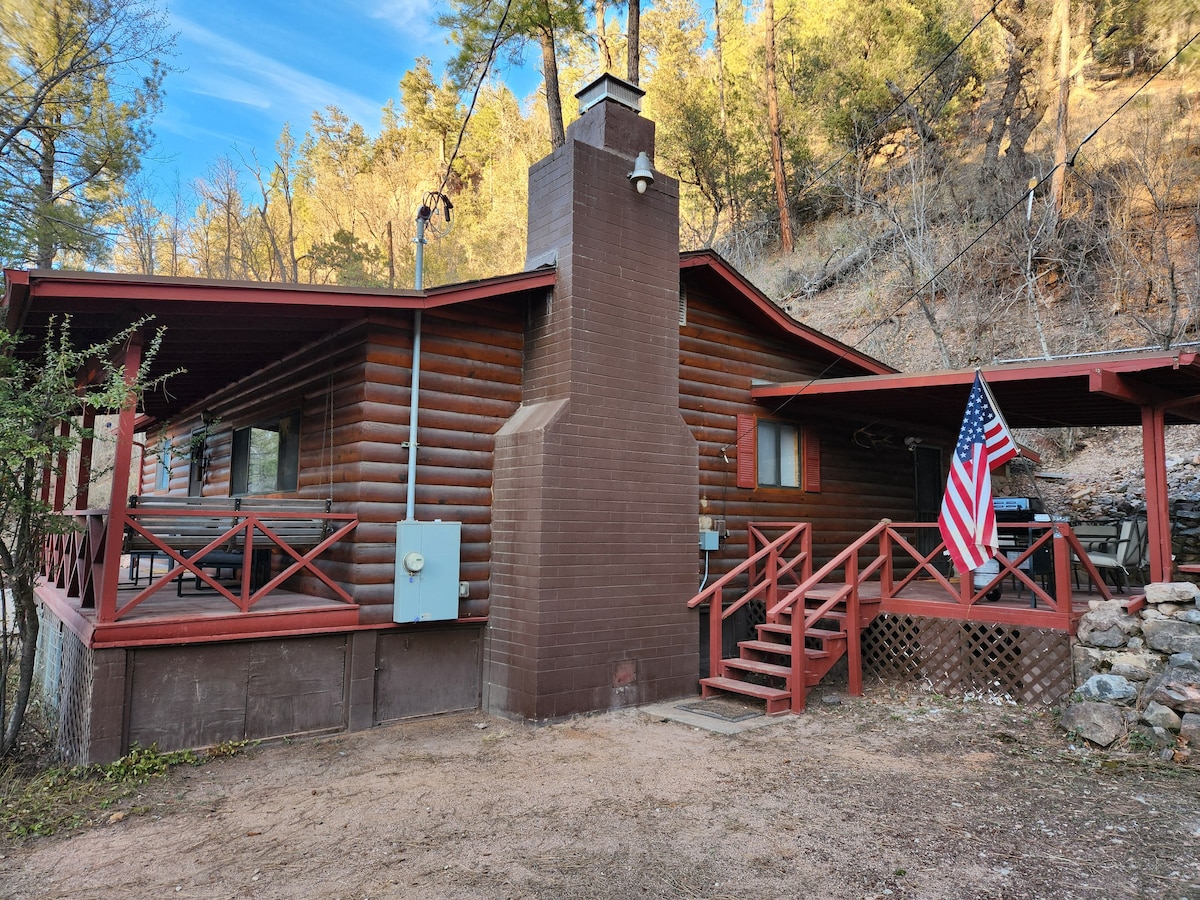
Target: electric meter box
{"points": [[427, 564]]}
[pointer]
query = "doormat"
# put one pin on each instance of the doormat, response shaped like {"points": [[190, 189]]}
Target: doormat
{"points": [[724, 708]]}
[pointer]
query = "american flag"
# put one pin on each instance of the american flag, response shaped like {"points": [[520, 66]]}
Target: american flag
{"points": [[967, 520]]}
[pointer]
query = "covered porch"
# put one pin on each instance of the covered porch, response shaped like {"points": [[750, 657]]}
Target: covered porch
{"points": [[1043, 582], [200, 569], [1150, 390], [815, 612]]}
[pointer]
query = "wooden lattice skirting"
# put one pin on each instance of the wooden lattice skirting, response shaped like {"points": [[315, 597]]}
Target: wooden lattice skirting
{"points": [[65, 675], [1028, 665]]}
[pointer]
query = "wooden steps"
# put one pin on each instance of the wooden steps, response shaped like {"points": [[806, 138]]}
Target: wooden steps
{"points": [[763, 667]]}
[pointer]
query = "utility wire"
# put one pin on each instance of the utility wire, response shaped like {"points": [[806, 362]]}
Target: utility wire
{"points": [[903, 100], [1159, 71], [487, 63], [1069, 162]]}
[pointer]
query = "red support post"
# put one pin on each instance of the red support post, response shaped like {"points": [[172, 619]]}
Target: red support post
{"points": [[1158, 514], [715, 668], [83, 476], [1063, 593], [853, 630], [60, 468], [110, 573]]}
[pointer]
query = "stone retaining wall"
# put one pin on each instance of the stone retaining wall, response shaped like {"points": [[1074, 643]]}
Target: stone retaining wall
{"points": [[1137, 673]]}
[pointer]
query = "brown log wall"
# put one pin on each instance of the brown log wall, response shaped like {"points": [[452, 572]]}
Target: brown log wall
{"points": [[470, 385], [721, 356]]}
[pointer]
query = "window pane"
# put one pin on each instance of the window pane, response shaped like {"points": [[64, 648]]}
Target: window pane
{"points": [[768, 453], [778, 454], [162, 476], [263, 464], [789, 456]]}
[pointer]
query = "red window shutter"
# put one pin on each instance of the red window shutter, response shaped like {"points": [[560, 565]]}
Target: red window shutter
{"points": [[747, 450], [811, 450]]}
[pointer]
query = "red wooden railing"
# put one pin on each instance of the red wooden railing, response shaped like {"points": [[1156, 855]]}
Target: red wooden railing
{"points": [[886, 554], [74, 558], [771, 562]]}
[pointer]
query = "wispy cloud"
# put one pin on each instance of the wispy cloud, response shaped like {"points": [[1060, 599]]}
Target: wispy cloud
{"points": [[233, 72], [411, 18]]}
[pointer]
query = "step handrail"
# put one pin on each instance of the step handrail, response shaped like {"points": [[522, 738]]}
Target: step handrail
{"points": [[846, 593], [770, 553]]}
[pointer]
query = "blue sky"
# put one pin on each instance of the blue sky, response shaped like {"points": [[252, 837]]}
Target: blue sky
{"points": [[247, 67]]}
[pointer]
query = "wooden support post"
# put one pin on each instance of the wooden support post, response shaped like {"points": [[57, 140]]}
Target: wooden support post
{"points": [[110, 573], [83, 475], [1063, 593], [1158, 514], [60, 468], [853, 630], [715, 668]]}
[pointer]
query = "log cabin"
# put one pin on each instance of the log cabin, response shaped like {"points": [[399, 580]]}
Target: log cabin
{"points": [[575, 488]]}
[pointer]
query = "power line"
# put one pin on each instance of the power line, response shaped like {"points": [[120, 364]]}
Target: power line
{"points": [[903, 100], [487, 63], [1069, 162]]}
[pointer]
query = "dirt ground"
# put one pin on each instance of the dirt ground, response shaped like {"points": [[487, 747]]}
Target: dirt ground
{"points": [[890, 795]]}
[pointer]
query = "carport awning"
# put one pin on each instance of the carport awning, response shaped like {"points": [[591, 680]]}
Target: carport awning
{"points": [[1083, 391]]}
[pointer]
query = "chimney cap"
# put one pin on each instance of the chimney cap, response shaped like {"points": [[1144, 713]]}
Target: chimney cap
{"points": [[610, 87]]}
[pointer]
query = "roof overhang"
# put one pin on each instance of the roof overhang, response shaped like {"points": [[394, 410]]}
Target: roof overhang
{"points": [[1083, 391], [220, 331], [708, 266]]}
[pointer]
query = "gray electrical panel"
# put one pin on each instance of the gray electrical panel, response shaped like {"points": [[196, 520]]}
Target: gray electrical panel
{"points": [[427, 564]]}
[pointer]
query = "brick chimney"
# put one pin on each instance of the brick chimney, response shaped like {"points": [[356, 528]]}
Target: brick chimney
{"points": [[595, 484]]}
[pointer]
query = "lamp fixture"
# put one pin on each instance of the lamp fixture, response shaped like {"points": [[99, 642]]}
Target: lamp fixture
{"points": [[641, 176]]}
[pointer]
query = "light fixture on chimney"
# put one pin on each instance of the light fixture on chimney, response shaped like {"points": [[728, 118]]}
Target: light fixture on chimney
{"points": [[641, 176]]}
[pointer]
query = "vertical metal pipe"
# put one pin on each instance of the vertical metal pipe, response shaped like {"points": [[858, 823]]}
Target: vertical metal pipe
{"points": [[414, 402]]}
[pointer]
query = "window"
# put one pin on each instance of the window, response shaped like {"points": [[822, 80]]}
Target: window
{"points": [[778, 454], [162, 472], [197, 448], [266, 456], [772, 453]]}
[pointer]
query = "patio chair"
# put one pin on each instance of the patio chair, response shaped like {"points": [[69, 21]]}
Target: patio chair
{"points": [[1127, 552]]}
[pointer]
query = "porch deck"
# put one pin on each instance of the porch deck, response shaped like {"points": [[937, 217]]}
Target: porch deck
{"points": [[813, 618], [177, 597], [1013, 607], [164, 617]]}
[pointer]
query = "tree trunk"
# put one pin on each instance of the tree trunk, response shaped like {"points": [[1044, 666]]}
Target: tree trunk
{"points": [[606, 59], [22, 566], [776, 129], [46, 247], [718, 48], [558, 136], [633, 42], [1062, 19]]}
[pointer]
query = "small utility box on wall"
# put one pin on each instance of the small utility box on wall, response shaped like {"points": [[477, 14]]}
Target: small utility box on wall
{"points": [[427, 558]]}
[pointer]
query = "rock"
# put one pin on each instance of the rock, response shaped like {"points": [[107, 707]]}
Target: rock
{"points": [[1110, 637], [1168, 609], [1136, 666], [1108, 689], [1099, 723], [1191, 616], [1182, 592], [1183, 661], [1135, 643], [1107, 624], [1172, 636], [1086, 661], [1159, 716], [1177, 688], [1153, 738], [1189, 729]]}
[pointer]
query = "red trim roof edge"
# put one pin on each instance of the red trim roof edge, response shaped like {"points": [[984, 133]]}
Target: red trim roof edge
{"points": [[713, 260]]}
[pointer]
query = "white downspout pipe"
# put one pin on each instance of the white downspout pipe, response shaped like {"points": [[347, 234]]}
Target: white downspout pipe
{"points": [[414, 403]]}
